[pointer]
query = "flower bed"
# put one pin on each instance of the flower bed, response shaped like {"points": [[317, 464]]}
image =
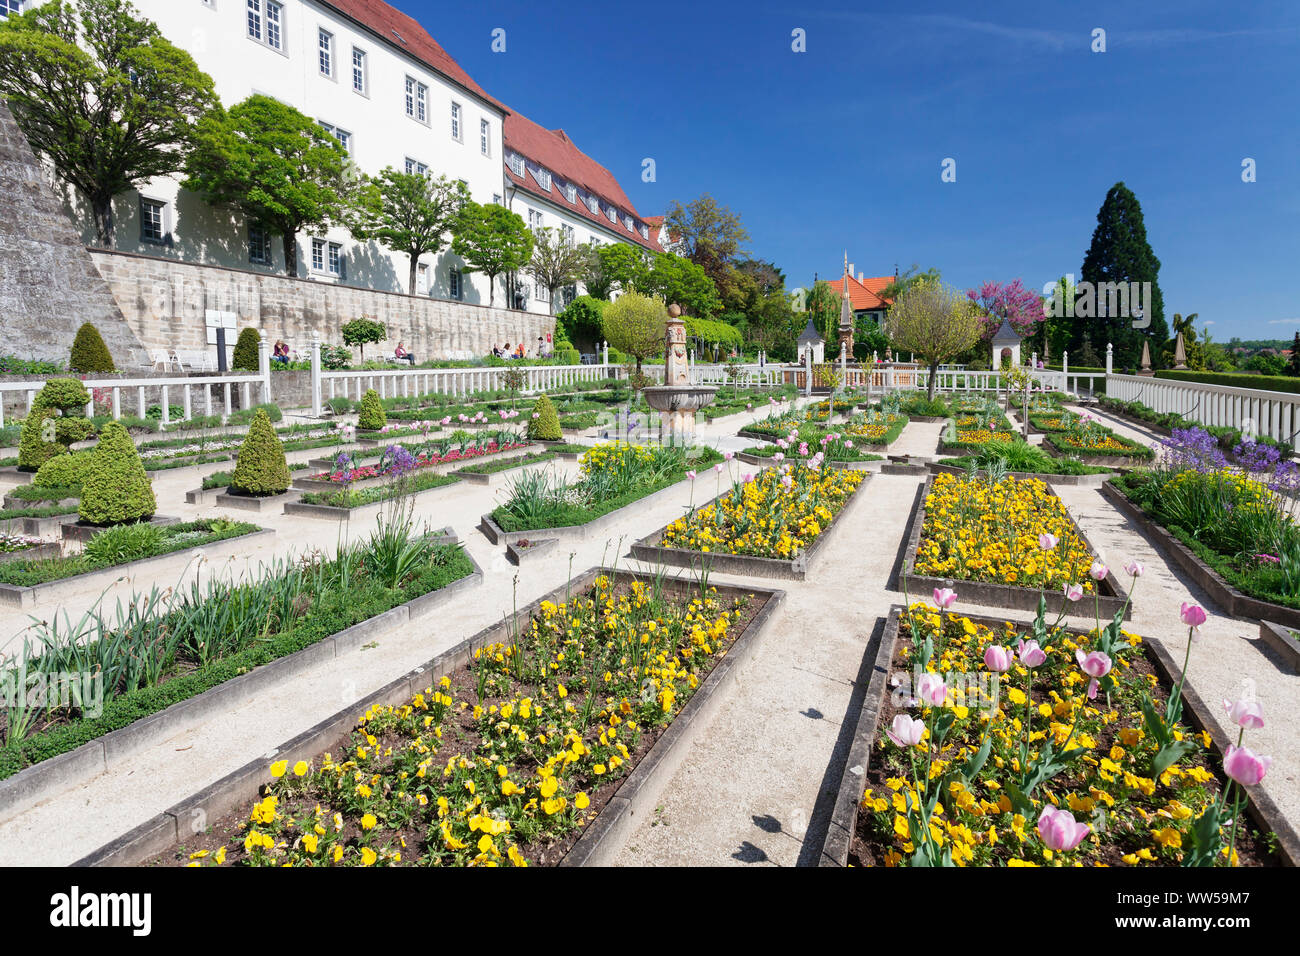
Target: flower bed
{"points": [[1061, 421], [770, 523], [483, 472], [960, 440], [519, 739], [19, 547], [347, 472], [1011, 541], [349, 498], [1040, 745], [1107, 447]]}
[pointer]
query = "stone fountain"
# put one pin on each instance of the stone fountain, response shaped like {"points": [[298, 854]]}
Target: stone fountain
{"points": [[677, 398]]}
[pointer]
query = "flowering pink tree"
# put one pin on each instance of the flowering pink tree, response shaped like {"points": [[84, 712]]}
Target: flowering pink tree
{"points": [[1007, 300]]}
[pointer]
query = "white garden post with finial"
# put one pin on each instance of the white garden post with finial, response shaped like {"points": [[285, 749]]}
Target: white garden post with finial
{"points": [[315, 374], [1110, 358]]}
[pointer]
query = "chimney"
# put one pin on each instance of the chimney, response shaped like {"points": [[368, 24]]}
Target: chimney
{"points": [[850, 268], [859, 276]]}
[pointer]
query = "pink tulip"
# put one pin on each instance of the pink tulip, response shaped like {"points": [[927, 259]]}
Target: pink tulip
{"points": [[803, 448], [906, 731], [787, 482], [931, 690], [1241, 764], [728, 455], [778, 456], [1193, 615], [1095, 664], [1134, 569], [1247, 714], [1098, 571], [945, 597], [747, 477], [1059, 830], [717, 469], [690, 475], [998, 659], [783, 443], [1073, 592], [1047, 541], [1031, 655]]}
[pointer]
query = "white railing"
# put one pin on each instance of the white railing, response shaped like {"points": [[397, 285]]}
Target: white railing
{"points": [[750, 375], [1274, 415], [121, 394]]}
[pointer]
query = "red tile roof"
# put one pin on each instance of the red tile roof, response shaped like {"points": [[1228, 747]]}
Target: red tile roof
{"points": [[553, 150], [406, 34], [864, 295]]}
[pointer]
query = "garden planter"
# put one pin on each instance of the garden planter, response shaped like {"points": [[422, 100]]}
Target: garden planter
{"points": [[1284, 642], [1233, 601], [796, 569], [266, 504], [77, 531], [24, 596], [47, 527], [842, 830], [529, 549], [21, 504], [620, 807], [10, 475], [1111, 593], [441, 468], [112, 750], [46, 549], [202, 496], [1085, 481], [1105, 461], [293, 505], [592, 529], [767, 462]]}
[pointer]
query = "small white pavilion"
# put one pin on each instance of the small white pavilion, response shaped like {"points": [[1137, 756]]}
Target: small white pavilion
{"points": [[1006, 345]]}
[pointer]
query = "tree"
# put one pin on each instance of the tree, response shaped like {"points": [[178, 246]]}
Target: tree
{"points": [[1010, 302], [593, 276], [823, 304], [636, 324], [1293, 366], [360, 331], [261, 468], [712, 237], [902, 283], [410, 213], [493, 240], [1120, 253], [276, 165], [679, 280], [934, 321], [556, 261], [89, 353], [580, 322], [116, 489], [245, 358], [372, 416], [103, 96]]}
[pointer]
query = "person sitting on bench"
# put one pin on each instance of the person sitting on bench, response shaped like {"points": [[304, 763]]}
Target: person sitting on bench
{"points": [[401, 354]]}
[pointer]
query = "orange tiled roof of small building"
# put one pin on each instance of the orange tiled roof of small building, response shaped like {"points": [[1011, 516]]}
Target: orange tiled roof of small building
{"points": [[865, 295]]}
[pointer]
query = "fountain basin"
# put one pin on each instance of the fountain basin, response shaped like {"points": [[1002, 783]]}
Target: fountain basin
{"points": [[679, 398]]}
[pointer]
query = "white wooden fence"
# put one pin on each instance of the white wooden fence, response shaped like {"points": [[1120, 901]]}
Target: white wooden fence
{"points": [[1274, 415]]}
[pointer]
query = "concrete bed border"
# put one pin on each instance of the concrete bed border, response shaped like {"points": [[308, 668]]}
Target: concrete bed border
{"points": [[601, 839], [46, 549], [844, 817], [332, 512], [36, 527], [25, 596], [1282, 640], [498, 535], [539, 547], [265, 504], [66, 770], [1079, 481], [1009, 596], [76, 531], [1233, 601], [11, 503], [493, 477], [647, 549], [441, 468]]}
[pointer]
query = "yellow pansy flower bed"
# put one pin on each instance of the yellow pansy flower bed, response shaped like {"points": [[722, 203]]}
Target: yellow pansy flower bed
{"points": [[1136, 817], [497, 763], [976, 530], [776, 515]]}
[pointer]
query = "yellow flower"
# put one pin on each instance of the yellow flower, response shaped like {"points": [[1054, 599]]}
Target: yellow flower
{"points": [[581, 801], [278, 768], [368, 821], [300, 768], [368, 856]]}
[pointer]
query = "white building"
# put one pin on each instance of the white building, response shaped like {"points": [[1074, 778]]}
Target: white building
{"points": [[550, 183]]}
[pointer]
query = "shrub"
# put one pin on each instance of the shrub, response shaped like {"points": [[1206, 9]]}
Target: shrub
{"points": [[545, 423], [89, 353], [33, 449], [372, 417], [568, 356], [335, 357], [116, 489], [245, 416], [63, 471], [261, 468], [65, 394], [245, 357], [339, 405], [128, 542]]}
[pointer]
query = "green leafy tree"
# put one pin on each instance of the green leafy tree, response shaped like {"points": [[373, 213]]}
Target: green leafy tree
{"points": [[103, 96], [245, 357], [636, 324], [261, 468], [89, 353], [36, 444], [372, 416], [555, 261], [902, 282], [626, 266], [1120, 253], [675, 279], [358, 332], [580, 322], [711, 236], [409, 212], [276, 165], [116, 489], [934, 321], [1293, 366], [824, 305], [493, 240], [597, 281]]}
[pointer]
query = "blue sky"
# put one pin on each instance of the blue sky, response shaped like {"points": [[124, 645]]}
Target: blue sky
{"points": [[842, 146]]}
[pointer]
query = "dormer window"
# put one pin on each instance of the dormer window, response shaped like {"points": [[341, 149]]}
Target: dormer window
{"points": [[613, 214], [593, 204], [570, 192], [516, 164], [543, 178], [627, 221], [645, 231]]}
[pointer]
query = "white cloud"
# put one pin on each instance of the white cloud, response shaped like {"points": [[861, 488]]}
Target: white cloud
{"points": [[1284, 321]]}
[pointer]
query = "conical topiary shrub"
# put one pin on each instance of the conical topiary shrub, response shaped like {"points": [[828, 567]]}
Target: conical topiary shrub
{"points": [[116, 489], [245, 357], [261, 469], [64, 471], [33, 449], [545, 423], [89, 353], [372, 417]]}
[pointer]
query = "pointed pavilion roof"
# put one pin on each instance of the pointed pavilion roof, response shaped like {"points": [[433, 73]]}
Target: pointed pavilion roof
{"points": [[1006, 335], [810, 335]]}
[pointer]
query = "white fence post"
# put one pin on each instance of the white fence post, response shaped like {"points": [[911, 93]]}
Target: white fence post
{"points": [[264, 369], [315, 374]]}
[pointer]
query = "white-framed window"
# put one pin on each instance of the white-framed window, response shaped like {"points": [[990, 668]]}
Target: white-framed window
{"points": [[485, 137], [593, 204], [541, 293], [570, 192], [455, 121], [534, 220], [594, 241], [259, 244], [360, 80], [327, 257], [266, 23], [417, 100], [627, 221], [422, 278], [543, 177], [496, 199], [613, 214], [342, 135], [153, 220], [10, 6], [455, 284], [516, 164], [566, 233], [325, 52], [645, 231], [415, 166]]}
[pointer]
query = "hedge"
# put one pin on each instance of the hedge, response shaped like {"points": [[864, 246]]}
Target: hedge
{"points": [[1262, 383]]}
